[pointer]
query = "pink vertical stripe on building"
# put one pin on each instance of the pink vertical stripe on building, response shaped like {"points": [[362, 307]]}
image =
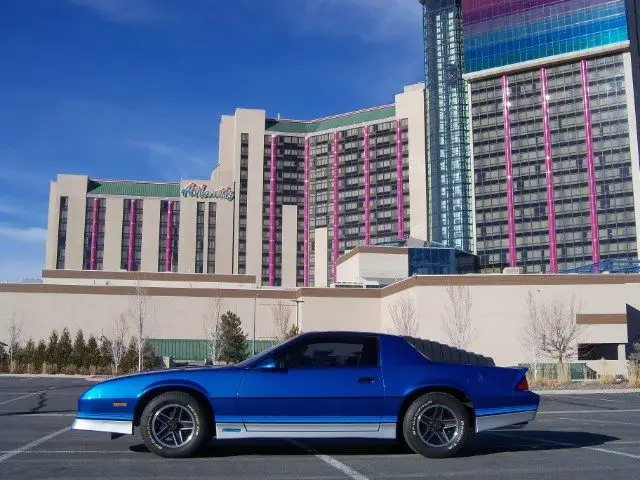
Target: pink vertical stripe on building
{"points": [[307, 168], [593, 198], [169, 238], [334, 243], [511, 218], [132, 234], [367, 188], [399, 179], [272, 212], [94, 233], [553, 251]]}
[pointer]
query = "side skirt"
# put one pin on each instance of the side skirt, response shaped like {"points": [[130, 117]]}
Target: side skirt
{"points": [[289, 430], [489, 422]]}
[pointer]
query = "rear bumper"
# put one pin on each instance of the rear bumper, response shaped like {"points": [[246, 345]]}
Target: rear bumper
{"points": [[110, 426], [519, 419]]}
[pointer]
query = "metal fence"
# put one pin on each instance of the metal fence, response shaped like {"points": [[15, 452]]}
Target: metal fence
{"points": [[196, 350], [549, 371]]}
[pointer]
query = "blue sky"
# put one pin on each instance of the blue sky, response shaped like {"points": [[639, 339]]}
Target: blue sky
{"points": [[135, 89]]}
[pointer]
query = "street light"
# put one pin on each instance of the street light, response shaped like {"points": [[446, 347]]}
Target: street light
{"points": [[298, 302], [253, 344]]}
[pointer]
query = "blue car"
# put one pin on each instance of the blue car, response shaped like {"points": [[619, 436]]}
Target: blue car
{"points": [[318, 385]]}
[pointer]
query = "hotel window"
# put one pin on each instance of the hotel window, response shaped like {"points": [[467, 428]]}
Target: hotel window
{"points": [[211, 239], [244, 179], [126, 235], [62, 232], [199, 238], [89, 234], [171, 233]]}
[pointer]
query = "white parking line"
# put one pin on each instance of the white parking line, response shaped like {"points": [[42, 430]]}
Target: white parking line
{"points": [[599, 421], [570, 412], [74, 452], [331, 461], [25, 396], [564, 444], [31, 445]]}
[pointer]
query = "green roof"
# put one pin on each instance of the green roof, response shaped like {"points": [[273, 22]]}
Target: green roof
{"points": [[314, 126], [134, 189]]}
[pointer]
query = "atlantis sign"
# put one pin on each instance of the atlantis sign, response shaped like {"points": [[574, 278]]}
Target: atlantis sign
{"points": [[200, 191]]}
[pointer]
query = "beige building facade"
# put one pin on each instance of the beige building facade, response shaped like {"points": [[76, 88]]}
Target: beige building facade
{"points": [[287, 198], [180, 303]]}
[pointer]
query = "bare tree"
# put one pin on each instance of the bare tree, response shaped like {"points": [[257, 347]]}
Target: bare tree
{"points": [[531, 335], [554, 326], [211, 325], [281, 313], [403, 316], [140, 313], [456, 321], [117, 341], [15, 336]]}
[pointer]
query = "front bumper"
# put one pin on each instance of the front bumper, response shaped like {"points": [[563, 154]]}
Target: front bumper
{"points": [[111, 426]]}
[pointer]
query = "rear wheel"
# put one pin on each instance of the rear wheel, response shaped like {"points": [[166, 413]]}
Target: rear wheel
{"points": [[436, 425], [174, 424]]}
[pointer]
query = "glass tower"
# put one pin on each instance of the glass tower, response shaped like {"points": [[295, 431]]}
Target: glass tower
{"points": [[449, 174]]}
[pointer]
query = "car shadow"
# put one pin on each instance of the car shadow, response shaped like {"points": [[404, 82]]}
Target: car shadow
{"points": [[484, 444], [500, 441]]}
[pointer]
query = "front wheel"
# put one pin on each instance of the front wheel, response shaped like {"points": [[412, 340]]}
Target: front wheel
{"points": [[174, 424], [436, 425]]}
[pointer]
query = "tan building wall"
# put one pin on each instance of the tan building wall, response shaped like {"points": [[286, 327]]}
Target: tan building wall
{"points": [[150, 234], [498, 306], [411, 105], [113, 235]]}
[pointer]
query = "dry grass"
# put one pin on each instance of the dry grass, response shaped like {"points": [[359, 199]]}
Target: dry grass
{"points": [[634, 374]]}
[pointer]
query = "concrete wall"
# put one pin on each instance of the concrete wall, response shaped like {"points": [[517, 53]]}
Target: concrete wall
{"points": [[498, 314], [498, 307]]}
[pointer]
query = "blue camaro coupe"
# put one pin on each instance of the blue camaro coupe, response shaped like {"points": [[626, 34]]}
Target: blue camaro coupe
{"points": [[318, 385]]}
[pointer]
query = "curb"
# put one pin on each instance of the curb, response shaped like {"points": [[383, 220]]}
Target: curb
{"points": [[587, 392], [91, 378]]}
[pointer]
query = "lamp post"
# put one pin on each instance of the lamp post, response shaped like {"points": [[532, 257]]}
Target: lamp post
{"points": [[253, 343], [298, 302]]}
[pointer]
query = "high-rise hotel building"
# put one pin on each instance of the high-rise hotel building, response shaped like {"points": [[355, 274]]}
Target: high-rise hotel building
{"points": [[287, 198], [552, 95]]}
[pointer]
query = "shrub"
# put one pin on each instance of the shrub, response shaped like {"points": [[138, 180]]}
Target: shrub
{"points": [[79, 350], [40, 355], [64, 354], [129, 361], [70, 370], [52, 348], [92, 352], [233, 342]]}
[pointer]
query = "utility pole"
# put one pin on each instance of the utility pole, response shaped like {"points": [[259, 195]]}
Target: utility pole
{"points": [[253, 343], [298, 302]]}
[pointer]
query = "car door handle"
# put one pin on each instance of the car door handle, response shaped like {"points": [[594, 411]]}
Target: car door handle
{"points": [[366, 380]]}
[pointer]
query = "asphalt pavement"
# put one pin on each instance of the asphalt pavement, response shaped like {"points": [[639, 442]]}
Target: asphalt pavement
{"points": [[576, 436]]}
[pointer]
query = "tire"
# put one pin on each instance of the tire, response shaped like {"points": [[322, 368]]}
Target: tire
{"points": [[436, 425], [165, 425]]}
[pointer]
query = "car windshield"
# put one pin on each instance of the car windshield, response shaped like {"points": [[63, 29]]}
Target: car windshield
{"points": [[263, 354]]}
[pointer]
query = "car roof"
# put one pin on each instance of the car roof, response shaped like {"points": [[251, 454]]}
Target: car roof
{"points": [[346, 333]]}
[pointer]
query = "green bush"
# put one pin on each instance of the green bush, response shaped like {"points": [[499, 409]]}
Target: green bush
{"points": [[233, 341], [79, 350]]}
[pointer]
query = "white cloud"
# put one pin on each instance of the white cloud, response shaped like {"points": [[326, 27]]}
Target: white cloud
{"points": [[23, 234], [371, 20], [173, 162]]}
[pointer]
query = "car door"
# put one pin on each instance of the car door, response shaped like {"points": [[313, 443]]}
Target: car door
{"points": [[317, 384]]}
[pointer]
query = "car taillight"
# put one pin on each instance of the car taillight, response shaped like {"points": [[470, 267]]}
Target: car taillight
{"points": [[523, 385]]}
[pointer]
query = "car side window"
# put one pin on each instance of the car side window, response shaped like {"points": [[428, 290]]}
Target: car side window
{"points": [[332, 353]]}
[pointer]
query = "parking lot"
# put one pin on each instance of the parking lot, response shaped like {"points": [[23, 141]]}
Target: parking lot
{"points": [[574, 437]]}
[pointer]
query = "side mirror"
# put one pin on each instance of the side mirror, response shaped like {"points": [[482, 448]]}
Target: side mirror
{"points": [[267, 364]]}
